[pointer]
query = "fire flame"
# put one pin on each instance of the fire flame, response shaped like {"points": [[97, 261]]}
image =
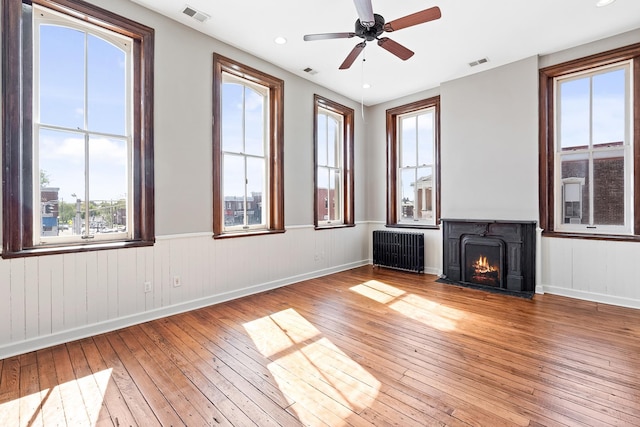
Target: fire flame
{"points": [[482, 266]]}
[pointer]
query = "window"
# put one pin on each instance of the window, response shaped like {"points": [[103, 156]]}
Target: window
{"points": [[78, 157], [413, 163], [333, 137], [247, 150], [589, 177]]}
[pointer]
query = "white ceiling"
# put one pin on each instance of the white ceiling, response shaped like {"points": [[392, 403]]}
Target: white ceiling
{"points": [[501, 30]]}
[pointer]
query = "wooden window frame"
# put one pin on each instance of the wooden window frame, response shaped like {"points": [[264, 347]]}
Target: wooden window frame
{"points": [[547, 139], [348, 116], [275, 174], [392, 161], [17, 150]]}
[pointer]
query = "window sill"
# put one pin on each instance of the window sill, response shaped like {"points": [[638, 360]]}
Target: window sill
{"points": [[416, 226], [234, 234], [83, 247], [332, 227], [585, 236]]}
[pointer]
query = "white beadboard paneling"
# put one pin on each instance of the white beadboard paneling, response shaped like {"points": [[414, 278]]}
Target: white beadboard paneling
{"points": [[126, 279], [138, 283], [69, 291], [112, 284], [32, 296], [80, 296], [5, 301], [17, 300], [46, 265], [604, 271], [57, 294], [93, 294], [102, 285]]}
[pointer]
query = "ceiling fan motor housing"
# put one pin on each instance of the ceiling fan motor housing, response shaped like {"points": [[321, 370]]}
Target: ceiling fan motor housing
{"points": [[370, 33]]}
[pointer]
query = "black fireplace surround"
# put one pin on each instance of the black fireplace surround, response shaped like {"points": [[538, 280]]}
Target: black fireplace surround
{"points": [[489, 254]]}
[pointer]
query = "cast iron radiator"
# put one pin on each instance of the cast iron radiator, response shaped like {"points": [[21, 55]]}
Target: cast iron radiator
{"points": [[403, 251]]}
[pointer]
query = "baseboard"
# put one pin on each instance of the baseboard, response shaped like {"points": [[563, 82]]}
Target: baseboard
{"points": [[26, 346], [592, 296]]}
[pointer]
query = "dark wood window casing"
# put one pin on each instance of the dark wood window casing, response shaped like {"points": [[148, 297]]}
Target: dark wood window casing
{"points": [[347, 159], [392, 160], [547, 138], [17, 150], [275, 178]]}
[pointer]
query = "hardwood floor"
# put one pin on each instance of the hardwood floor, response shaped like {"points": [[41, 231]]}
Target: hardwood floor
{"points": [[364, 347]]}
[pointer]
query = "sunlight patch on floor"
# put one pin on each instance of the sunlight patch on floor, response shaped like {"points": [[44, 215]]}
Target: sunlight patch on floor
{"points": [[312, 371], [416, 307], [76, 402]]}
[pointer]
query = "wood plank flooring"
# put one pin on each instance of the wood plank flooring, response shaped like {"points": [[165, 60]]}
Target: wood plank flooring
{"points": [[364, 347]]}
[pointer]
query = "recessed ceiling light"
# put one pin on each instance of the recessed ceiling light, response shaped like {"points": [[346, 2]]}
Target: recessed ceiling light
{"points": [[366, 85], [602, 3], [280, 40]]}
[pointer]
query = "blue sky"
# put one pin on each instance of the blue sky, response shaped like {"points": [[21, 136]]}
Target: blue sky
{"points": [[62, 88]]}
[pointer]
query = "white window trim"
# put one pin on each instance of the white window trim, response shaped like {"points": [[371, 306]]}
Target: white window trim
{"points": [[264, 91], [45, 16], [339, 150], [627, 228]]}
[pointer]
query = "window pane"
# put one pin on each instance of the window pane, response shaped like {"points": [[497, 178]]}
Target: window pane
{"points": [[608, 188], [574, 113], [322, 194], [106, 87], [232, 116], [609, 108], [61, 76], [574, 211], [255, 122], [407, 190], [335, 202], [61, 156], [424, 193], [233, 183], [322, 139], [408, 142], [425, 138], [332, 140], [107, 184], [255, 189]]}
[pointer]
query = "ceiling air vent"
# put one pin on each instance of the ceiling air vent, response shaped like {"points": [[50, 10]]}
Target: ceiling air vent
{"points": [[310, 71], [195, 14], [478, 62]]}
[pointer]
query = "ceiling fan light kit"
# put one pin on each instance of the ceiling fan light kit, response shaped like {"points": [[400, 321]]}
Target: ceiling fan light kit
{"points": [[370, 26]]}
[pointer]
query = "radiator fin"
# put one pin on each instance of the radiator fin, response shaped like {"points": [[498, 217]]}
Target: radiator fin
{"points": [[399, 250]]}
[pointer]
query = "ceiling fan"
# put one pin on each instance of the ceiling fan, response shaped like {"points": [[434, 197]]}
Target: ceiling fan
{"points": [[369, 26]]}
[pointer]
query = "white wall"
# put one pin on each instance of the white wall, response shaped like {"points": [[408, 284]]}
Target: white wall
{"points": [[56, 298], [490, 144]]}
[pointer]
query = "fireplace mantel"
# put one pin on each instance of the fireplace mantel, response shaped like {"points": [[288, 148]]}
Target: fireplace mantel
{"points": [[517, 263]]}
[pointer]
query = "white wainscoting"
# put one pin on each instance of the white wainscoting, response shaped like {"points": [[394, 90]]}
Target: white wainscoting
{"points": [[52, 299], [593, 270]]}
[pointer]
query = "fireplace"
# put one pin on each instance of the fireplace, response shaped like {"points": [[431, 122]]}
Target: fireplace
{"points": [[497, 255]]}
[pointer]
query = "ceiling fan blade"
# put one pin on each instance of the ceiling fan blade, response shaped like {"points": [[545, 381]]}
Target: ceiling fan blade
{"points": [[352, 56], [327, 36], [414, 19], [396, 48], [365, 12]]}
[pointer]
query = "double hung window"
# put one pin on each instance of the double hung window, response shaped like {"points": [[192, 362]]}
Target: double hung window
{"points": [[413, 164], [247, 150], [333, 163], [79, 154], [589, 142]]}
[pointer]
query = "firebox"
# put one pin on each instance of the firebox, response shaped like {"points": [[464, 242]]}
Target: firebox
{"points": [[483, 261], [491, 254]]}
